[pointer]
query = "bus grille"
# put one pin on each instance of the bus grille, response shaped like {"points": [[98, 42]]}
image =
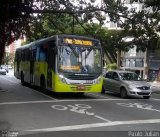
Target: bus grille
{"points": [[74, 88], [81, 77]]}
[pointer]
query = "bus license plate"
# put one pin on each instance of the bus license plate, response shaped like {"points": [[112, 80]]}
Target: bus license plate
{"points": [[81, 87]]}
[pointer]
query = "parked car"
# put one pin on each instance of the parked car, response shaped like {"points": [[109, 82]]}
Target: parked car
{"points": [[126, 84], [5, 67], [9, 66], [2, 71]]}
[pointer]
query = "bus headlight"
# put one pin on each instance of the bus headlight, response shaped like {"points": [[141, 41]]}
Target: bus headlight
{"points": [[98, 80], [62, 78]]}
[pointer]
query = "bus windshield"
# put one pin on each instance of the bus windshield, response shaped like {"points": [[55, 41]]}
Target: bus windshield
{"points": [[79, 59]]}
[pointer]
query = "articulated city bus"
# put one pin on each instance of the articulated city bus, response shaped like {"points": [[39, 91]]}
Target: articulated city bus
{"points": [[61, 63]]}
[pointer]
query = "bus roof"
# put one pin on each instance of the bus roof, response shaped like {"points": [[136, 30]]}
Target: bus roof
{"points": [[52, 37], [77, 36]]}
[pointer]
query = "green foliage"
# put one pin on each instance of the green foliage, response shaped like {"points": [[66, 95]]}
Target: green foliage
{"points": [[8, 59], [112, 66], [56, 17]]}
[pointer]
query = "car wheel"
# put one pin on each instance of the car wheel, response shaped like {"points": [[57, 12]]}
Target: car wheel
{"points": [[146, 97], [123, 93], [103, 90]]}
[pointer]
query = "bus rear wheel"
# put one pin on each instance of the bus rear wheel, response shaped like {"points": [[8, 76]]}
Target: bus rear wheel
{"points": [[23, 83]]}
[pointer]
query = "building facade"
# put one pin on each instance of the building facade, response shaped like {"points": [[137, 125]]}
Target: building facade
{"points": [[134, 61], [10, 51]]}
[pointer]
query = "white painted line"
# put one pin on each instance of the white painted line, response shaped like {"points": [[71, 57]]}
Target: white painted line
{"points": [[156, 99], [9, 80], [96, 125], [26, 102], [94, 94], [49, 101], [102, 118]]}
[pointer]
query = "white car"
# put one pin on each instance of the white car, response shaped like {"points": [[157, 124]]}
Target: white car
{"points": [[2, 71]]}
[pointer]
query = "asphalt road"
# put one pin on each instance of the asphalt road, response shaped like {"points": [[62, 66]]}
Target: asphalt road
{"points": [[25, 111]]}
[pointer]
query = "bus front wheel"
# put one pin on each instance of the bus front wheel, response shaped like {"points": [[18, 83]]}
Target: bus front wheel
{"points": [[103, 90]]}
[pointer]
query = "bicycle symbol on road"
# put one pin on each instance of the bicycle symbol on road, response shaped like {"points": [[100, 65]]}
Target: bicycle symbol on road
{"points": [[138, 105], [78, 108]]}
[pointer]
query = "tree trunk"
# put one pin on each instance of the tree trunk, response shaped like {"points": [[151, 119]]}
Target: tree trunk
{"points": [[2, 41], [112, 57], [119, 59], [109, 60], [146, 64]]}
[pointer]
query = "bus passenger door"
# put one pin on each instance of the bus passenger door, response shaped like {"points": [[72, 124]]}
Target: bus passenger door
{"points": [[51, 65], [49, 70], [32, 60]]}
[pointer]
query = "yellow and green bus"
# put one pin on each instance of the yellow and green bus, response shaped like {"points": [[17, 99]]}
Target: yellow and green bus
{"points": [[61, 63]]}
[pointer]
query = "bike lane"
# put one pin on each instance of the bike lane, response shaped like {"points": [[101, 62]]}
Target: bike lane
{"points": [[77, 115]]}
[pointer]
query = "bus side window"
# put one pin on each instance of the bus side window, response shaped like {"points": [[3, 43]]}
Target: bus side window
{"points": [[51, 54], [42, 53]]}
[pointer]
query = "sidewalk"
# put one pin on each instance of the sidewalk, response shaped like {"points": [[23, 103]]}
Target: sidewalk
{"points": [[155, 87]]}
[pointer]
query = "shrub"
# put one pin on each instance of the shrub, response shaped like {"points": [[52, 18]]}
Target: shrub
{"points": [[112, 66]]}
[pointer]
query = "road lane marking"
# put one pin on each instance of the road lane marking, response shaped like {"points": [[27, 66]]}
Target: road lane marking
{"points": [[96, 125], [156, 99], [98, 95], [139, 106], [79, 108], [104, 119], [53, 101], [50, 101], [9, 80]]}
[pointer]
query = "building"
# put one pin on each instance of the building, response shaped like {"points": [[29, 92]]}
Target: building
{"points": [[136, 6], [134, 61], [10, 50]]}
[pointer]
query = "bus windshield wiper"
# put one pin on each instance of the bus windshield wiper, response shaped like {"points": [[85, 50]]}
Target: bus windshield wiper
{"points": [[73, 50]]}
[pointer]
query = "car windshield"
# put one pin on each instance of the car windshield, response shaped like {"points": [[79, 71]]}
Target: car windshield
{"points": [[79, 59], [129, 76]]}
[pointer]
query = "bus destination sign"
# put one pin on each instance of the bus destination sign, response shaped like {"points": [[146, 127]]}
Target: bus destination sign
{"points": [[78, 42]]}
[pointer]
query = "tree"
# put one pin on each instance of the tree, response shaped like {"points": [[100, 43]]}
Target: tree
{"points": [[16, 18], [144, 27], [111, 40]]}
